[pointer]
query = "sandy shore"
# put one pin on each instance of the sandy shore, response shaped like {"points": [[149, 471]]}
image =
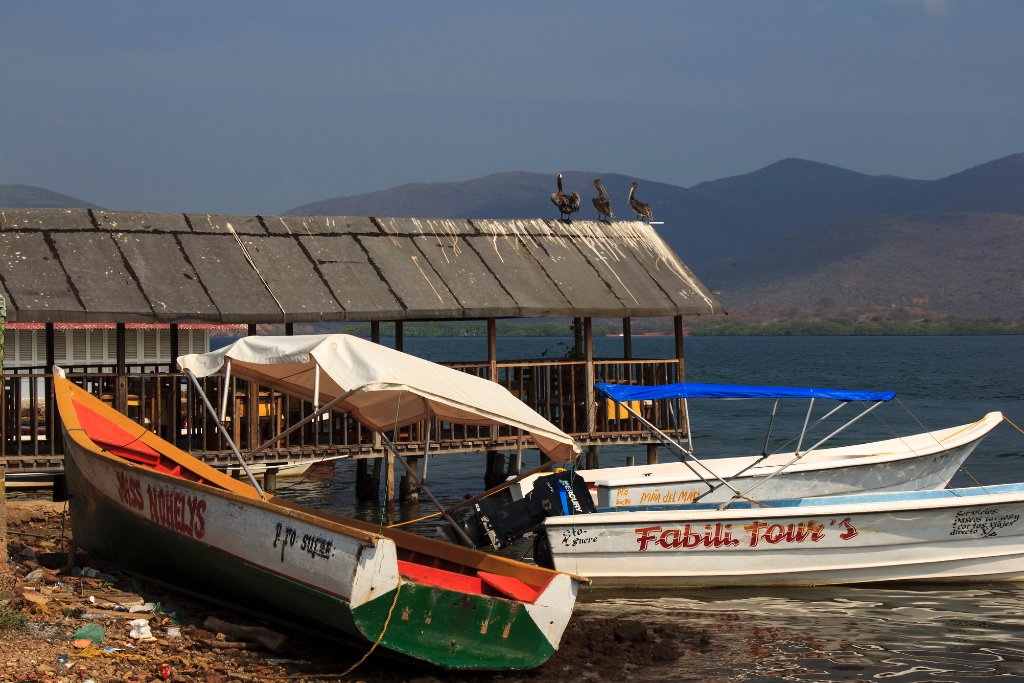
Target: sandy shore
{"points": [[195, 641]]}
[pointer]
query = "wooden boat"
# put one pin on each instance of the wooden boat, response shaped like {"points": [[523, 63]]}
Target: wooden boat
{"points": [[908, 463], [951, 535], [142, 504]]}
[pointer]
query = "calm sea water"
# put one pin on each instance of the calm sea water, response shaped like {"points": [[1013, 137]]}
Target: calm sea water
{"points": [[973, 633]]}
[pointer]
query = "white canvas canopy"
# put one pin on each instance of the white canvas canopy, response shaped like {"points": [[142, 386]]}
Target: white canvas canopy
{"points": [[386, 388]]}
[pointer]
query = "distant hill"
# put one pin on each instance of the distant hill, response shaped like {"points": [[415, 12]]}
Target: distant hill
{"points": [[29, 197], [527, 195], [962, 264], [714, 219]]}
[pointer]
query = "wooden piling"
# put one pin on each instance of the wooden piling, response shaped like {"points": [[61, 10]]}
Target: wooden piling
{"points": [[366, 488], [652, 454], [270, 480], [389, 477], [407, 491], [495, 472], [593, 458]]}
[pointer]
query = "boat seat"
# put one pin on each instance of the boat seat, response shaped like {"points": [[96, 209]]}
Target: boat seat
{"points": [[483, 583]]}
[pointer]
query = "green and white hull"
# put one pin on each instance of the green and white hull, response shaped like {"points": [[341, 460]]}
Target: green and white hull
{"points": [[423, 599]]}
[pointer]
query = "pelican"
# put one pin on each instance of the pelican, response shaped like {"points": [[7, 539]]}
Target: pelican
{"points": [[601, 202], [567, 204], [642, 209]]}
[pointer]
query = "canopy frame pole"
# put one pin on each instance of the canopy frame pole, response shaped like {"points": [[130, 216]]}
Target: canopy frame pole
{"points": [[765, 454], [426, 446], [220, 426], [816, 423], [669, 442], [800, 456], [316, 385], [301, 423], [689, 426], [518, 462], [224, 397], [768, 434], [411, 472], [803, 432]]}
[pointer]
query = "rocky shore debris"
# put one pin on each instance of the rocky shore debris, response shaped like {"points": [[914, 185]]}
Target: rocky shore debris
{"points": [[94, 623]]}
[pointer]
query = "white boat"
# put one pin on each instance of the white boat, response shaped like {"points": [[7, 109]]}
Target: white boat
{"points": [[951, 535], [908, 463], [730, 539]]}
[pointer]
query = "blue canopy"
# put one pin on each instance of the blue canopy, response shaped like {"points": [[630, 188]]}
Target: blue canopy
{"points": [[637, 392]]}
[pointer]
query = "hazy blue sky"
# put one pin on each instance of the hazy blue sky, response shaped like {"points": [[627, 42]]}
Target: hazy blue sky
{"points": [[258, 107]]}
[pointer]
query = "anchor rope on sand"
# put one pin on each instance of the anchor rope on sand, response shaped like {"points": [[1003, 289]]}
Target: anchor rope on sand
{"points": [[380, 638]]}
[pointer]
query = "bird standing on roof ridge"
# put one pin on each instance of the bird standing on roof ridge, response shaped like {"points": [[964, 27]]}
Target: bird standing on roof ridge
{"points": [[567, 204], [642, 209], [602, 203]]}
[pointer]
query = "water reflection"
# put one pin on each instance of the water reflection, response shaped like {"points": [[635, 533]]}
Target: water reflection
{"points": [[839, 633], [923, 633]]}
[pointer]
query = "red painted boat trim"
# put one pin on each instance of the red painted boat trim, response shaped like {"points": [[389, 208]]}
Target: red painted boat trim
{"points": [[510, 587], [483, 583]]}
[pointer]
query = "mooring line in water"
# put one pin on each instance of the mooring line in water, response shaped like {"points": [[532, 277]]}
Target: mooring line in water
{"points": [[1010, 422]]}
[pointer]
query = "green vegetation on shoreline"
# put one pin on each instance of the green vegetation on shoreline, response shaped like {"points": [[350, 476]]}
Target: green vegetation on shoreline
{"points": [[852, 328]]}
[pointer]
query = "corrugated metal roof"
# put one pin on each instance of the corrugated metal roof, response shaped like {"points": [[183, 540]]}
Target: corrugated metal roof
{"points": [[83, 265]]}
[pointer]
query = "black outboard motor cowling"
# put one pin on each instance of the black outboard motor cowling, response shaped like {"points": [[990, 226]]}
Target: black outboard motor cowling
{"points": [[498, 526]]}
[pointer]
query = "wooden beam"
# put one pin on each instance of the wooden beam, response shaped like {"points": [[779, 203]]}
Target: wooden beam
{"points": [[588, 351], [677, 324], [121, 388], [175, 397], [492, 348], [49, 401], [375, 332], [51, 354], [120, 348], [627, 338]]}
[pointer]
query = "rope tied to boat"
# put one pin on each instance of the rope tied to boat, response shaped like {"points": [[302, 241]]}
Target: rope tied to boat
{"points": [[1010, 422], [488, 494], [380, 638]]}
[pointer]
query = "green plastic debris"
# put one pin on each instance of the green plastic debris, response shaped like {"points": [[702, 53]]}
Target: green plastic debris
{"points": [[93, 632]]}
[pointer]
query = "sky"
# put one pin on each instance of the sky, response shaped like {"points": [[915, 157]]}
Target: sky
{"points": [[259, 107]]}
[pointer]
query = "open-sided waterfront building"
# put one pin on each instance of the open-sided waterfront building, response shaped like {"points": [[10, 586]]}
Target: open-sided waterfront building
{"points": [[97, 267]]}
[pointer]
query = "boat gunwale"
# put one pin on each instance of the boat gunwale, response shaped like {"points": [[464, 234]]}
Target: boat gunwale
{"points": [[865, 503]]}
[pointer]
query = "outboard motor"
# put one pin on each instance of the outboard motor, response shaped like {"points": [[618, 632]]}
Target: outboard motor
{"points": [[489, 524]]}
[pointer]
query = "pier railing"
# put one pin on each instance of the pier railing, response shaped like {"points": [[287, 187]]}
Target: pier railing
{"points": [[165, 402]]}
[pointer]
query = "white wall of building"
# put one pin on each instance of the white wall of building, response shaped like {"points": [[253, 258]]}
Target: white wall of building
{"points": [[91, 347]]}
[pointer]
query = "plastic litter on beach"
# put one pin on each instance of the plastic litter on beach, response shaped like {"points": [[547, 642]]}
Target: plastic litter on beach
{"points": [[140, 629], [91, 632]]}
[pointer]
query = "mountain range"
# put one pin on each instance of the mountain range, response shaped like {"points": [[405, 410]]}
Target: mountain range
{"points": [[794, 238]]}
